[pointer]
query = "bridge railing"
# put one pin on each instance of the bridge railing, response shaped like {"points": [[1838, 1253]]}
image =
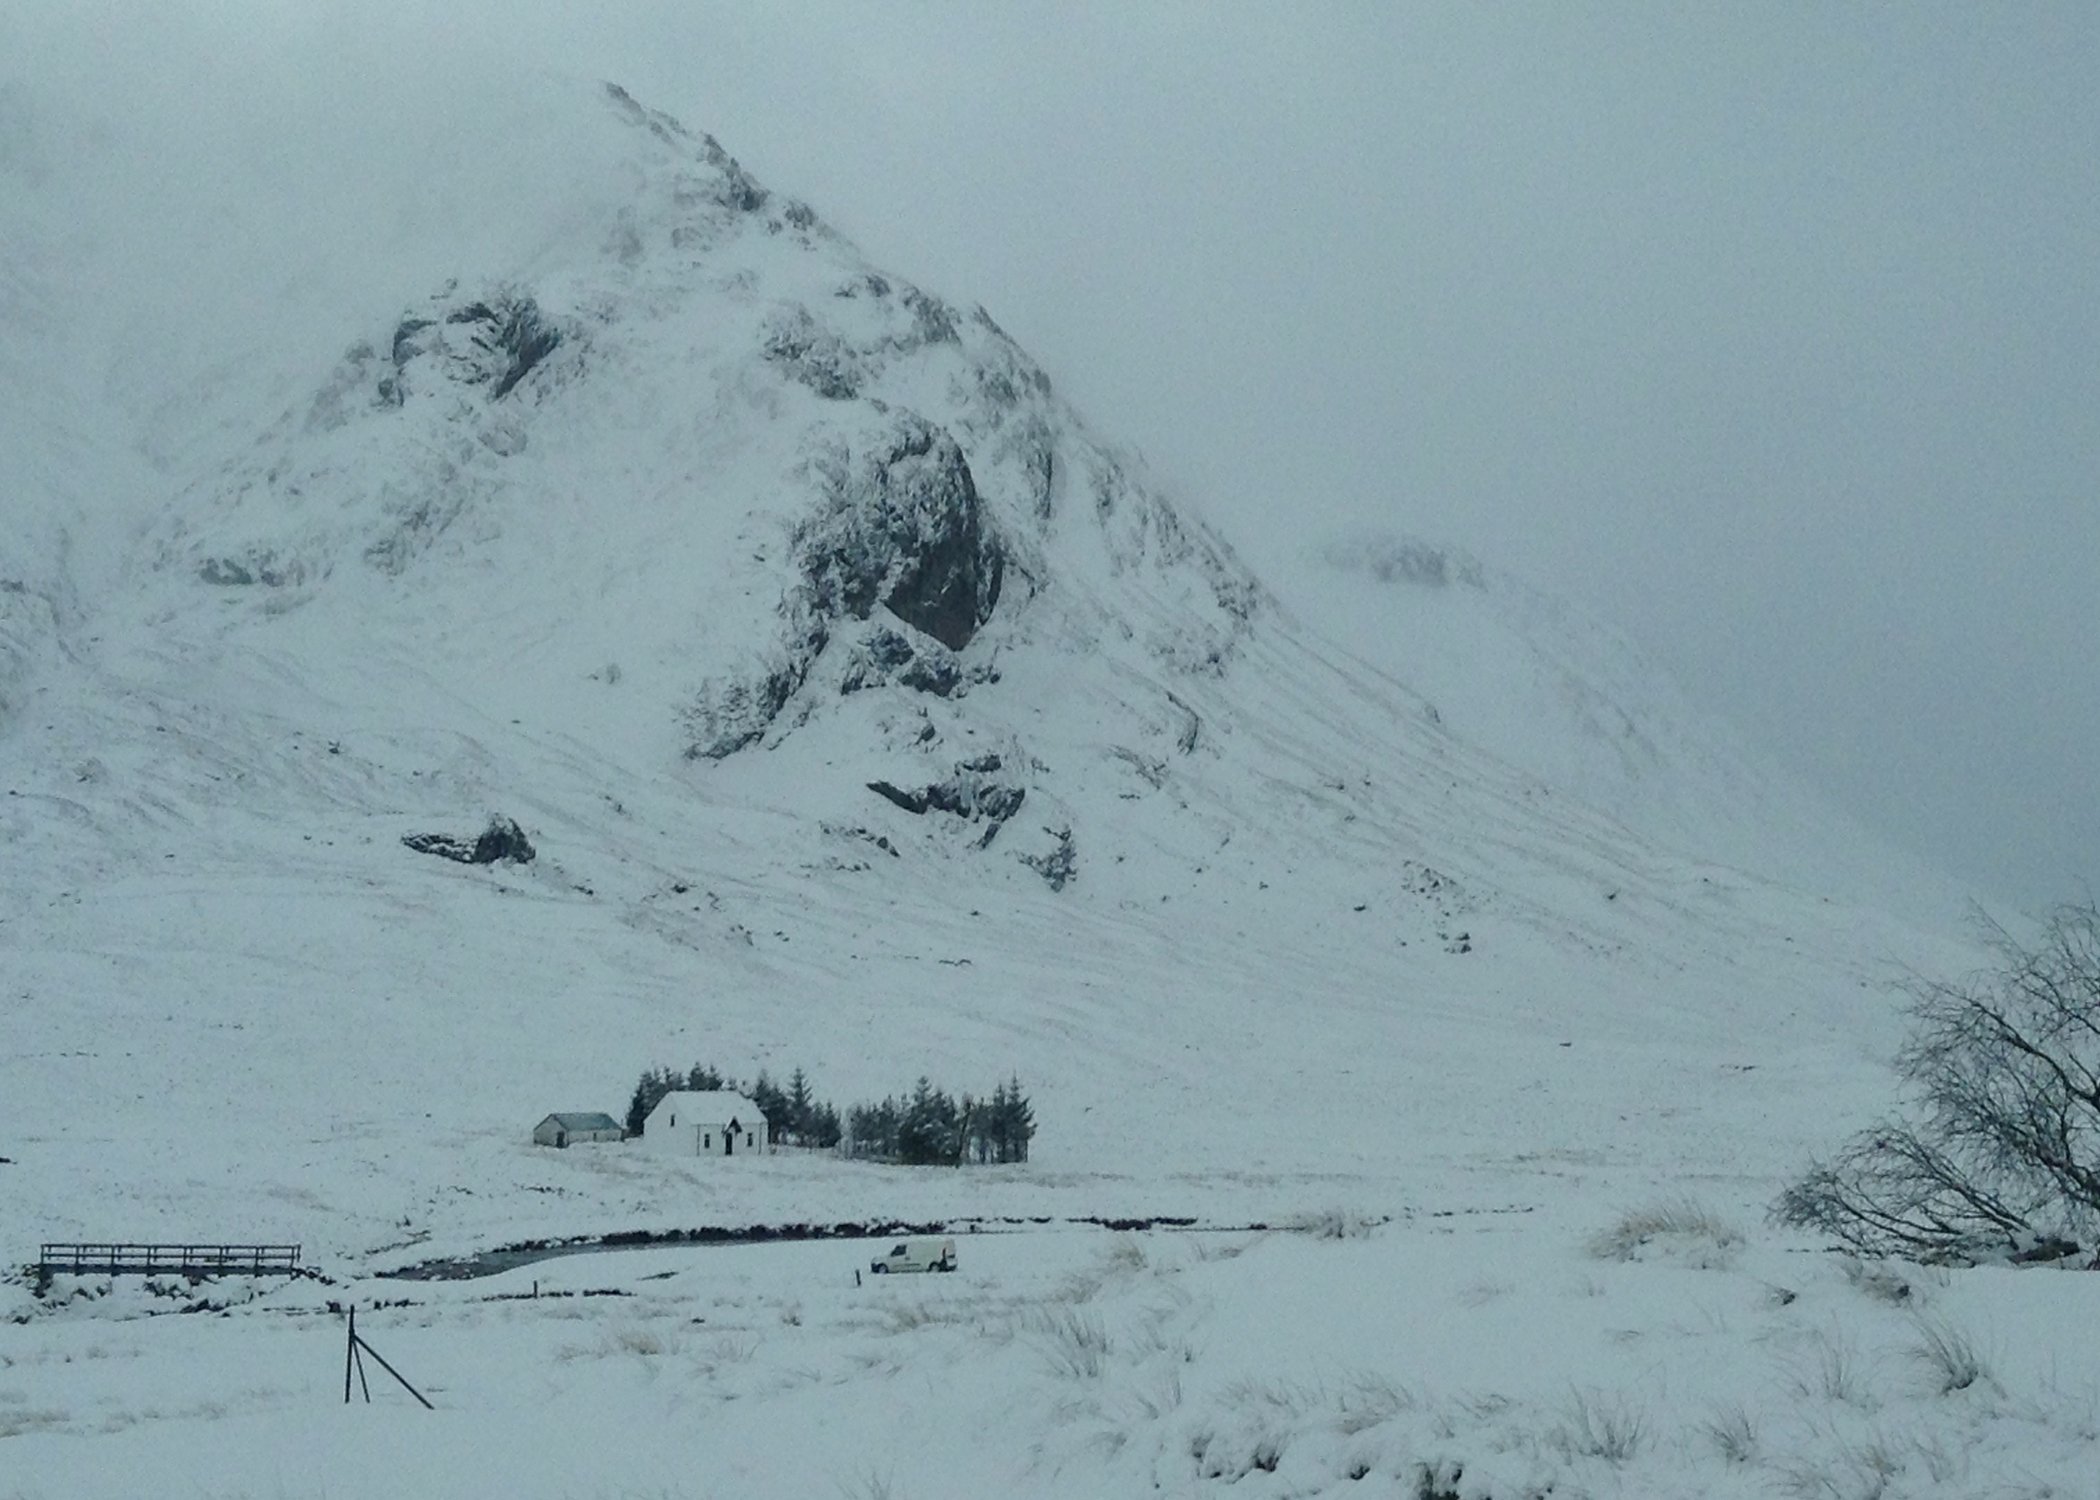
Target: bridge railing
{"points": [[124, 1258]]}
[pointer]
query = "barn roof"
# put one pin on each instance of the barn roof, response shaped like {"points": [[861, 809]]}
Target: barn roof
{"points": [[587, 1120], [712, 1107]]}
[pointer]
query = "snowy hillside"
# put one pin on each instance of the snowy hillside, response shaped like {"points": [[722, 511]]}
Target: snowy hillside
{"points": [[1565, 697], [870, 712]]}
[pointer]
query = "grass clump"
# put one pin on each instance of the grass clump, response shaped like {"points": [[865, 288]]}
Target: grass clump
{"points": [[1949, 1358], [1596, 1425], [1681, 1231], [1733, 1435], [1073, 1340]]}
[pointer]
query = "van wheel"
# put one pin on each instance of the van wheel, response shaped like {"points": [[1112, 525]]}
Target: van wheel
{"points": [[878, 1270]]}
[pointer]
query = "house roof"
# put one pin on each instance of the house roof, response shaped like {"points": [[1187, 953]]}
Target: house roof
{"points": [[713, 1107], [586, 1120]]}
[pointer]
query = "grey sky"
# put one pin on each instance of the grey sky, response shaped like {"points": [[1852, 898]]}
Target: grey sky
{"points": [[1770, 332]]}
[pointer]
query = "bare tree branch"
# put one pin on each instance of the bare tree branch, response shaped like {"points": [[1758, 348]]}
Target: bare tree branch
{"points": [[2001, 1155]]}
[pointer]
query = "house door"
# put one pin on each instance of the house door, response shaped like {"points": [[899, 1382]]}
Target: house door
{"points": [[729, 1143]]}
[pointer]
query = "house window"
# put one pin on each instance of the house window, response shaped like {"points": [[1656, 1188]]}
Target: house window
{"points": [[707, 1140]]}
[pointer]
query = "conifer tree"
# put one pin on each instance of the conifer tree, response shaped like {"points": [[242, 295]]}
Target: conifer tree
{"points": [[801, 1109], [994, 1129], [772, 1104], [919, 1135], [1020, 1121], [649, 1089], [639, 1105]]}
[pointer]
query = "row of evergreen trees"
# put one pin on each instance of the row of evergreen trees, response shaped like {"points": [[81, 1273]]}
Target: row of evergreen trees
{"points": [[928, 1128]]}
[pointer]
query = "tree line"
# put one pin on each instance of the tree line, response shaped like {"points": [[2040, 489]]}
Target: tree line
{"points": [[931, 1128], [927, 1127]]}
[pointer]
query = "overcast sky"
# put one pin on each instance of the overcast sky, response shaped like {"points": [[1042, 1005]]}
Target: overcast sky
{"points": [[1772, 333]]}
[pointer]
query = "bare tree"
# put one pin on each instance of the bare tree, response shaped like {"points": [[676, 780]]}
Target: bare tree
{"points": [[2000, 1154]]}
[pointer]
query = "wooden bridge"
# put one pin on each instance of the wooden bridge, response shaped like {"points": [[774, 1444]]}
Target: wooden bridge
{"points": [[89, 1258]]}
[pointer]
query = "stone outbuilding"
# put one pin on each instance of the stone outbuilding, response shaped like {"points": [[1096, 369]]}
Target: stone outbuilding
{"points": [[568, 1129], [712, 1123]]}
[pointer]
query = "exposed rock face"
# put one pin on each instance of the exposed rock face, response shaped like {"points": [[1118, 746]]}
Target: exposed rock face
{"points": [[732, 187], [973, 792], [886, 656], [902, 527], [733, 712], [503, 841], [1060, 864], [1396, 559], [496, 343], [815, 356]]}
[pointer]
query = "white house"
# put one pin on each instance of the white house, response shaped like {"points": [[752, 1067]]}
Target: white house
{"points": [[715, 1123], [568, 1129]]}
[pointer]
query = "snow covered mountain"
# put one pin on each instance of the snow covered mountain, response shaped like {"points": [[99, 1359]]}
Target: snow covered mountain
{"points": [[374, 467], [870, 713]]}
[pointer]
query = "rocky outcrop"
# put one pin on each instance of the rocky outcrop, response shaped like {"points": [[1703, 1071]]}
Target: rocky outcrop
{"points": [[733, 712], [1059, 865], [885, 656], [813, 355], [1400, 559], [902, 528], [494, 342], [502, 842], [974, 792], [733, 188]]}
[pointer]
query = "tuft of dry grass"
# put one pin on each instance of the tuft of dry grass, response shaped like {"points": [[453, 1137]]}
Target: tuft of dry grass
{"points": [[1733, 1434], [1599, 1425], [1370, 1400], [1833, 1372], [1690, 1231], [1949, 1358], [1073, 1340]]}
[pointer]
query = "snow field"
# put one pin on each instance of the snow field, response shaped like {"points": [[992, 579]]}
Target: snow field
{"points": [[1479, 1356]]}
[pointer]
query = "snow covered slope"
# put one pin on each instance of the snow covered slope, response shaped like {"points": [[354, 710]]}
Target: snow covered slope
{"points": [[1565, 697], [870, 712]]}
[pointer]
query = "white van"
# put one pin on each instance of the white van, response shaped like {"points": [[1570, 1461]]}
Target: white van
{"points": [[922, 1252]]}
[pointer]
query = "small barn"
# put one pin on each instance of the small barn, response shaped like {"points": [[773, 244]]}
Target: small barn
{"points": [[568, 1129], [711, 1123]]}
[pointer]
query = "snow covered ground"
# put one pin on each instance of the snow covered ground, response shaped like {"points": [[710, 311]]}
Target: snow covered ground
{"points": [[1471, 1355], [1448, 932]]}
